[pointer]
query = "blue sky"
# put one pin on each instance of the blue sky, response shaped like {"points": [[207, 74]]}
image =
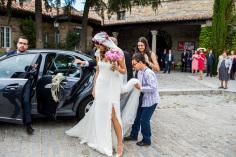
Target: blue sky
{"points": [[79, 4]]}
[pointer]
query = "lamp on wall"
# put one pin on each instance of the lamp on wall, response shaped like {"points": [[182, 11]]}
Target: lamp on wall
{"points": [[56, 33], [56, 24]]}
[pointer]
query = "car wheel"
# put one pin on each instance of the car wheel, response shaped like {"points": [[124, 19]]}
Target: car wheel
{"points": [[84, 107]]}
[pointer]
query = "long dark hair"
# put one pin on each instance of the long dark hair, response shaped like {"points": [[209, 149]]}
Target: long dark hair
{"points": [[102, 53], [147, 49]]}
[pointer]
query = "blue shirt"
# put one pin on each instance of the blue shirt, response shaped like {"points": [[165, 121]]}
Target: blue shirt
{"points": [[148, 80]]}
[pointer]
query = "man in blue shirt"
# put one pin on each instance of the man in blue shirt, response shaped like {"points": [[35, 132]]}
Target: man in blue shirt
{"points": [[148, 101], [22, 46]]}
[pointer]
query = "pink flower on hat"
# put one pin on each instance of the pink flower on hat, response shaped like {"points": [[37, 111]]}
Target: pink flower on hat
{"points": [[102, 38]]}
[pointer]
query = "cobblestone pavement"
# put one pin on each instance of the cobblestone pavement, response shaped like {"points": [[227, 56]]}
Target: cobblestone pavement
{"points": [[178, 82], [184, 124]]}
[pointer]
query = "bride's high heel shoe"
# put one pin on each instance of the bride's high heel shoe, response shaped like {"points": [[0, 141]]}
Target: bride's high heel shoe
{"points": [[120, 150]]}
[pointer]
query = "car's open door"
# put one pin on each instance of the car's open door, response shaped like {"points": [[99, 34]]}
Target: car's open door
{"points": [[10, 96], [12, 81], [56, 64]]}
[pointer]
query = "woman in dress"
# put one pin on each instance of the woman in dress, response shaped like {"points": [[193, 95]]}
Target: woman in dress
{"points": [[150, 57], [195, 62], [103, 121], [223, 69], [201, 62]]}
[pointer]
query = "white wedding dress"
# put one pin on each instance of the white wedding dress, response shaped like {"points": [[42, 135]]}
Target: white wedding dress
{"points": [[96, 128]]}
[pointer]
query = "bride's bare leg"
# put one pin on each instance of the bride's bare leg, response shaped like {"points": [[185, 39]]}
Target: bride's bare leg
{"points": [[118, 131]]}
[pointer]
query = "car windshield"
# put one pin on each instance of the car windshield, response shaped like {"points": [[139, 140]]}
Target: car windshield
{"points": [[14, 66]]}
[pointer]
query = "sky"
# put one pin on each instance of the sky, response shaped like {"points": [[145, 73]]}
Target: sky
{"points": [[79, 4]]}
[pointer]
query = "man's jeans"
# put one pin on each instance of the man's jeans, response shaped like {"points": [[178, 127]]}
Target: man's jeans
{"points": [[26, 103], [142, 119]]}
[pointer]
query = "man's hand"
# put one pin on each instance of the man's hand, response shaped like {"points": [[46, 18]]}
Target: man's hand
{"points": [[78, 61]]}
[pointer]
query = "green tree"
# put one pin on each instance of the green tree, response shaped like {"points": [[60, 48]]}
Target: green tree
{"points": [[205, 37], [231, 29], [220, 26], [27, 27], [72, 39], [222, 16], [234, 42]]}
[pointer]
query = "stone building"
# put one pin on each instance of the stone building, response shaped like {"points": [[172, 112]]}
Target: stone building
{"points": [[174, 25], [55, 25]]}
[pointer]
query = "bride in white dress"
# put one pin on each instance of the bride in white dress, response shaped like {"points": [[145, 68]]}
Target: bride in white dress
{"points": [[104, 125]]}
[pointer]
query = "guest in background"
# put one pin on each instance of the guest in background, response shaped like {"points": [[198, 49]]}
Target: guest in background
{"points": [[150, 57], [223, 69], [163, 57], [184, 57], [169, 60], [201, 62], [195, 62], [233, 69], [189, 60], [210, 62]]}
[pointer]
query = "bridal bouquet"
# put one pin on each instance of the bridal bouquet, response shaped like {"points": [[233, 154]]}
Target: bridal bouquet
{"points": [[113, 56]]}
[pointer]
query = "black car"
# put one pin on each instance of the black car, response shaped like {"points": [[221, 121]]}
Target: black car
{"points": [[75, 93]]}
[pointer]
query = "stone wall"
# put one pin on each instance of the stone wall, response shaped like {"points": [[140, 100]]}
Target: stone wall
{"points": [[48, 29], [66, 26], [128, 35], [15, 28]]}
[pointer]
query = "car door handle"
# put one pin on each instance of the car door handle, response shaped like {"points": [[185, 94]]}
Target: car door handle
{"points": [[64, 82], [12, 87]]}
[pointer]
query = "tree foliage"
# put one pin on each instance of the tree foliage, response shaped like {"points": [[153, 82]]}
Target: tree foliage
{"points": [[221, 26], [27, 27], [72, 39], [222, 16], [205, 37]]}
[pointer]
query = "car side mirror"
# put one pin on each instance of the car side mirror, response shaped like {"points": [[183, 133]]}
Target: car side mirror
{"points": [[27, 68]]}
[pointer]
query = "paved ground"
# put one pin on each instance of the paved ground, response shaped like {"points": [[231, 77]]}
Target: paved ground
{"points": [[194, 119]]}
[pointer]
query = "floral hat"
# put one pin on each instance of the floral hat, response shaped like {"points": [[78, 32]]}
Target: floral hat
{"points": [[201, 48], [102, 38]]}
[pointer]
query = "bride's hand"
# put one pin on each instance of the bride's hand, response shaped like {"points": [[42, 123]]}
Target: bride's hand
{"points": [[93, 92], [114, 66], [137, 85]]}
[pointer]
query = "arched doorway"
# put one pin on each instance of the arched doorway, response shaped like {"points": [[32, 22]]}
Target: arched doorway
{"points": [[163, 41]]}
